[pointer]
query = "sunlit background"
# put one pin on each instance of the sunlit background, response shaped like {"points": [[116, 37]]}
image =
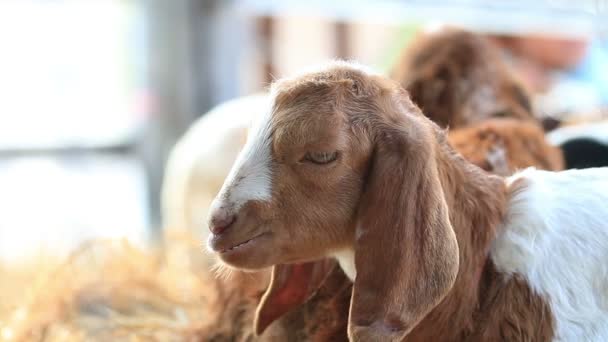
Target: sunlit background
{"points": [[93, 94]]}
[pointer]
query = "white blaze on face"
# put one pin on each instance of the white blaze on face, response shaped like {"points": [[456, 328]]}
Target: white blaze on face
{"points": [[250, 176]]}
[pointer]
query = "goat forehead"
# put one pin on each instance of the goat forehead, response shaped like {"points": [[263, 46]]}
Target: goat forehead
{"points": [[250, 177], [311, 128]]}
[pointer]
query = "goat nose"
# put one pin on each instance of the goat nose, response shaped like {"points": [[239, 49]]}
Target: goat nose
{"points": [[220, 221]]}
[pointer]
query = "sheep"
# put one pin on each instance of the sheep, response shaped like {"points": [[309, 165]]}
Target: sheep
{"points": [[458, 78], [343, 165]]}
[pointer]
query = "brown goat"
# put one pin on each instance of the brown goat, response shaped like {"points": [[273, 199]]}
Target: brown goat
{"points": [[501, 146], [458, 78], [344, 165]]}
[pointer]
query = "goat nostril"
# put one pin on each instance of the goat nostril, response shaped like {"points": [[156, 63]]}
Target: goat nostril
{"points": [[220, 224]]}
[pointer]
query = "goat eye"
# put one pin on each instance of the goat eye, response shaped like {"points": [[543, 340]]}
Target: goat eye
{"points": [[321, 158]]}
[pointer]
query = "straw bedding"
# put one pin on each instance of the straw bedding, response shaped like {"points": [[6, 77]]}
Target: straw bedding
{"points": [[111, 290]]}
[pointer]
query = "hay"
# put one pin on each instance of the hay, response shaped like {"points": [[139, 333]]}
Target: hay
{"points": [[110, 290]]}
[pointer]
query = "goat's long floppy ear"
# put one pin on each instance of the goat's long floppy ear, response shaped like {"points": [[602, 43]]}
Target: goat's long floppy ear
{"points": [[406, 253], [290, 286]]}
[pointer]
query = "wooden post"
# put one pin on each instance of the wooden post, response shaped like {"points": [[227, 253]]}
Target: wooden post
{"points": [[265, 27], [342, 39], [177, 43]]}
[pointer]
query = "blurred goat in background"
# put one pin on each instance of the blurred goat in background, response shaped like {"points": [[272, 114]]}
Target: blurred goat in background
{"points": [[457, 78]]}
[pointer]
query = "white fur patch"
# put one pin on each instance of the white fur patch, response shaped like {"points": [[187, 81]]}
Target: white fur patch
{"points": [[346, 259], [250, 176], [556, 237]]}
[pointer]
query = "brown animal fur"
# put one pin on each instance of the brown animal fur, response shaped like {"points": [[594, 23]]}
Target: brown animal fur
{"points": [[483, 305], [502, 146], [448, 296], [458, 78]]}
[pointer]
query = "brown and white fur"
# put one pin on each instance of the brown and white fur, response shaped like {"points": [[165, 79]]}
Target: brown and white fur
{"points": [[505, 145], [343, 165]]}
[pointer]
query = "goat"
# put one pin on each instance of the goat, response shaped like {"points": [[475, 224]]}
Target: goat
{"points": [[193, 172], [343, 165], [457, 78]]}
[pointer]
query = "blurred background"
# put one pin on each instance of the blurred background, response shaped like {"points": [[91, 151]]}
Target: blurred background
{"points": [[94, 94]]}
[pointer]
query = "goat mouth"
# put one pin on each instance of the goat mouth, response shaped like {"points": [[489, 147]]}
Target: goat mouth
{"points": [[214, 244]]}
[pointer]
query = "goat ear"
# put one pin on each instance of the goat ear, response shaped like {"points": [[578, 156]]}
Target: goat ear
{"points": [[406, 253], [290, 286]]}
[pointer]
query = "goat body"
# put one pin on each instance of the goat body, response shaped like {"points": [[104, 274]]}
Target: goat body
{"points": [[441, 250]]}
